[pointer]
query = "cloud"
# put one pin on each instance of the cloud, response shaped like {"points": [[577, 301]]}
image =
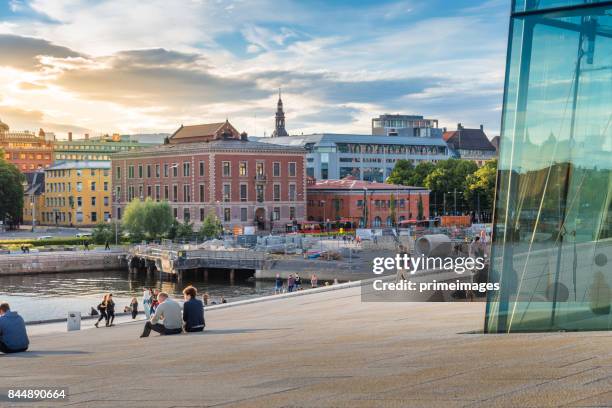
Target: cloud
{"points": [[24, 52], [22, 119], [335, 115]]}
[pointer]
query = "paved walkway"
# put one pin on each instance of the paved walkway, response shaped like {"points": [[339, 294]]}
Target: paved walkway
{"points": [[322, 350]]}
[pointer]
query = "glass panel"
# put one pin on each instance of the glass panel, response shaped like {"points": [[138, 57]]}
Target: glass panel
{"points": [[528, 5], [552, 246]]}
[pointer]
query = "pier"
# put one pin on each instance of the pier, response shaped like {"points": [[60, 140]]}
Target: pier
{"points": [[177, 260], [61, 261]]}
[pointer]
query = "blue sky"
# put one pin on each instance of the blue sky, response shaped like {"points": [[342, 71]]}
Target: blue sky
{"points": [[100, 66]]}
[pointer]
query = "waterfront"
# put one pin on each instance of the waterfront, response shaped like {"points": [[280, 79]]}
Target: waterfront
{"points": [[51, 296]]}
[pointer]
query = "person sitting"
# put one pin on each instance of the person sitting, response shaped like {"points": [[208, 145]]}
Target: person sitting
{"points": [[168, 312], [13, 335], [193, 311]]}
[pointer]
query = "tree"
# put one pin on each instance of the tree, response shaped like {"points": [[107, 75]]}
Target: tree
{"points": [[404, 173], [450, 176], [480, 187], [104, 232], [184, 230], [11, 192], [211, 227], [147, 219]]}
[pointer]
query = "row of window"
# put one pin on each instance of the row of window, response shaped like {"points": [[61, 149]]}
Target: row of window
{"points": [[227, 214], [24, 156], [60, 217], [338, 203], [149, 171], [63, 187], [61, 201], [79, 173]]}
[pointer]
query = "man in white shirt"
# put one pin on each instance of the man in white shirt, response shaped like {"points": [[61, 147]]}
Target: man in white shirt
{"points": [[167, 319]]}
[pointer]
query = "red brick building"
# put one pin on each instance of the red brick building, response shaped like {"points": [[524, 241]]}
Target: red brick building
{"points": [[364, 203], [26, 150], [213, 168]]}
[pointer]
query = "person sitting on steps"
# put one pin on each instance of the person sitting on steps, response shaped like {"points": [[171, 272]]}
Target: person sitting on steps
{"points": [[13, 335], [168, 312], [193, 311]]}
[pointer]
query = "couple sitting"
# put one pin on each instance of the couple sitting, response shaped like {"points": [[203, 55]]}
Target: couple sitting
{"points": [[167, 318]]}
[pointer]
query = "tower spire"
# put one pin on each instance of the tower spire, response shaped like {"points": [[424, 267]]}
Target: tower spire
{"points": [[279, 128]]}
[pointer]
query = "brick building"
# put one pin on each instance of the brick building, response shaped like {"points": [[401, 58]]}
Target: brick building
{"points": [[27, 150], [214, 168], [364, 203]]}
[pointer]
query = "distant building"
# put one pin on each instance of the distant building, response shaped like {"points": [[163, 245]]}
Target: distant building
{"points": [[365, 204], [495, 143], [365, 157], [279, 120], [33, 197], [94, 148], [470, 144], [214, 168], [77, 193], [26, 150], [405, 125]]}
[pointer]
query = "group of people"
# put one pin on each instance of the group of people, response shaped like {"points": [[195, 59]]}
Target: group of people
{"points": [[294, 283], [25, 249], [107, 310], [168, 318]]}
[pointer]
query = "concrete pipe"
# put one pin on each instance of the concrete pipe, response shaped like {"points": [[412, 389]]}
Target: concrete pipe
{"points": [[436, 245]]}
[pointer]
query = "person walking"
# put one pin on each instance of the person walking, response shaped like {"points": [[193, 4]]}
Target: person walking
{"points": [[193, 311], [102, 309], [107, 246], [298, 282], [167, 319], [134, 307], [290, 283], [110, 310], [13, 333], [146, 302], [86, 244], [278, 284], [314, 280]]}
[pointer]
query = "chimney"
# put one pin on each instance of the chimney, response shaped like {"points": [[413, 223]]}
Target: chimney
{"points": [[481, 127], [459, 126], [86, 136], [70, 136]]}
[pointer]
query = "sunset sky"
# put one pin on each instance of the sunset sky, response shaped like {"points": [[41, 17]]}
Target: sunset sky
{"points": [[149, 66]]}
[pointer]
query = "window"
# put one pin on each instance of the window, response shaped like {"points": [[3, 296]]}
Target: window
{"points": [[175, 212], [292, 213], [186, 169], [140, 171], [227, 192], [167, 193], [276, 214], [227, 214], [140, 192], [118, 173], [106, 216], [202, 214], [243, 192], [242, 169], [148, 171], [149, 191], [186, 193], [202, 195], [165, 169], [292, 169], [131, 172], [106, 186], [243, 214], [359, 203], [157, 192], [106, 201], [94, 216], [79, 186], [259, 168], [157, 170], [175, 193], [276, 169], [175, 170], [201, 169], [292, 192], [186, 215], [259, 190], [227, 169], [79, 201], [276, 192], [93, 201]]}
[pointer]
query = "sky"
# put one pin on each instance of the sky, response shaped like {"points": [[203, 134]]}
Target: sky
{"points": [[106, 66]]}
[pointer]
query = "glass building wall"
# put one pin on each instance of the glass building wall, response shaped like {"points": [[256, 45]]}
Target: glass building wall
{"points": [[552, 243]]}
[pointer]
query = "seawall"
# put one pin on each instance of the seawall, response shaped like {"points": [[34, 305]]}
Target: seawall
{"points": [[69, 261]]}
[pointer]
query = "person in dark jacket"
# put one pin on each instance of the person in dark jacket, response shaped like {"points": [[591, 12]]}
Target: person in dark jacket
{"points": [[193, 311], [134, 307], [110, 310], [102, 310], [13, 334]]}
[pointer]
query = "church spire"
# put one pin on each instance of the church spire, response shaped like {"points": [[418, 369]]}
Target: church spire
{"points": [[279, 128]]}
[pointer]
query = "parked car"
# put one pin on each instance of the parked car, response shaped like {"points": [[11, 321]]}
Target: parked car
{"points": [[83, 234], [43, 237]]}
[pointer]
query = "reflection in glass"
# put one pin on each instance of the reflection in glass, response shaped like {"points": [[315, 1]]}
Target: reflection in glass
{"points": [[552, 246]]}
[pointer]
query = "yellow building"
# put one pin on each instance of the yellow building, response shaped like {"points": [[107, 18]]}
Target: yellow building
{"points": [[77, 193]]}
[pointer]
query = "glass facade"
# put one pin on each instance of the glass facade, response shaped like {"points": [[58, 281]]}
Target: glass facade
{"points": [[552, 242]]}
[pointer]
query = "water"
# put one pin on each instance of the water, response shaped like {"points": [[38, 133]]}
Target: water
{"points": [[51, 296]]}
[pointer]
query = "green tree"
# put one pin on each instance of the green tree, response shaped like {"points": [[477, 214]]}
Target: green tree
{"points": [[11, 192], [211, 227], [421, 171], [102, 233], [480, 187], [404, 173], [450, 176], [147, 219], [184, 230]]}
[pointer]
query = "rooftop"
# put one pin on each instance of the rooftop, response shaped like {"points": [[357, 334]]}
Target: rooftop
{"points": [[469, 139], [78, 164], [331, 138], [353, 184]]}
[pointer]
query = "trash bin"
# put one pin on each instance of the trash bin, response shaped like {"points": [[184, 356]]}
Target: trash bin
{"points": [[74, 321]]}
